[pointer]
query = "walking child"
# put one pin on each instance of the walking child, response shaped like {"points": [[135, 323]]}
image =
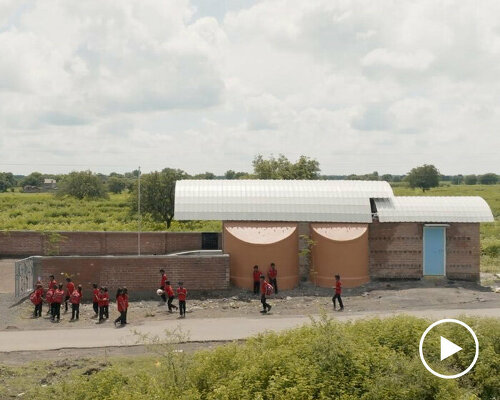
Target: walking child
{"points": [[256, 279], [95, 300], [272, 274], [75, 298], [49, 298], [57, 299], [125, 299], [162, 285], [181, 295], [70, 288], [265, 289], [52, 287], [170, 293], [103, 304], [120, 304], [338, 292], [36, 299]]}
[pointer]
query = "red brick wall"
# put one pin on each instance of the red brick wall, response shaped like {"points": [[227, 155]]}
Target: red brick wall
{"points": [[139, 274], [26, 243], [396, 250]]}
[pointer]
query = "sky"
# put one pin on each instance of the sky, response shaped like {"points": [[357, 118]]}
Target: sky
{"points": [[207, 85]]}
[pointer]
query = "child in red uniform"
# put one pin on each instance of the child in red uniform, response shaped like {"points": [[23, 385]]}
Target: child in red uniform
{"points": [[49, 296], [162, 285], [181, 295], [266, 307], [256, 279], [170, 293], [36, 299], [125, 299], [272, 274], [52, 282], [75, 298], [58, 298], [103, 304], [120, 303], [70, 288], [52, 288], [95, 299], [338, 292]]}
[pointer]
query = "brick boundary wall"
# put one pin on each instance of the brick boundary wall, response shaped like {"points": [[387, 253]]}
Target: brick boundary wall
{"points": [[28, 243], [396, 250], [139, 274]]}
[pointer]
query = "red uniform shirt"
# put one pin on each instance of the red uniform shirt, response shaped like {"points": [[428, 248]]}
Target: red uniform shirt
{"points": [[256, 276], [170, 291], [58, 296], [125, 299], [38, 296], [273, 273], [181, 293], [75, 297], [263, 287], [70, 286], [49, 296], [95, 296], [103, 299], [163, 280], [338, 287], [53, 284], [120, 302]]}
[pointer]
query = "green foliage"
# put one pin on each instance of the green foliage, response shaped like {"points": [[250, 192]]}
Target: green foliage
{"points": [[488, 179], [83, 185], [230, 174], [470, 179], [424, 177], [116, 184], [368, 360], [33, 179], [282, 168], [158, 194], [7, 181]]}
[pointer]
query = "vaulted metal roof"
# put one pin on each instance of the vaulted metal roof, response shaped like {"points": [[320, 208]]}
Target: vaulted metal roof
{"points": [[433, 209], [277, 200]]}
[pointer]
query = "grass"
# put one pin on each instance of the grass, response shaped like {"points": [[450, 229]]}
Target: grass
{"points": [[367, 359], [490, 232]]}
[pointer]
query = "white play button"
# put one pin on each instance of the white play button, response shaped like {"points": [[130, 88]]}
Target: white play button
{"points": [[448, 348]]}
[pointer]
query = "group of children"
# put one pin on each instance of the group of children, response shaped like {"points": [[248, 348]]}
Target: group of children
{"points": [[167, 294], [56, 295]]}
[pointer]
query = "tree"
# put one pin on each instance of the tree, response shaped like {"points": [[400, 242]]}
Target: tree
{"points": [[488, 179], [470, 179], [230, 174], [424, 177], [116, 184], [158, 194], [83, 184], [33, 179], [7, 181], [205, 175], [387, 177], [457, 179], [282, 168]]}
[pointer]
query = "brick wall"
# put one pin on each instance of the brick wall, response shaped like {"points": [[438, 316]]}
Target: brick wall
{"points": [[26, 243], [396, 250], [139, 274]]}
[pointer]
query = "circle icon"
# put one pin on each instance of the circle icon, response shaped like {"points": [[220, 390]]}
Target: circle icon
{"points": [[448, 349]]}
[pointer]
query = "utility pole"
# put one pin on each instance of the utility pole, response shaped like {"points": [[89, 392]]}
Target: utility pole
{"points": [[139, 211]]}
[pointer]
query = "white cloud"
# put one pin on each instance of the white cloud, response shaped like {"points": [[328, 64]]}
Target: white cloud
{"points": [[359, 85]]}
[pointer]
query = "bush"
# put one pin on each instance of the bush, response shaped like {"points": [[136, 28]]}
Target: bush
{"points": [[470, 179], [83, 185]]}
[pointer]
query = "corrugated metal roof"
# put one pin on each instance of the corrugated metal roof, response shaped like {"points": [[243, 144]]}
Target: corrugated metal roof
{"points": [[433, 209], [277, 200]]}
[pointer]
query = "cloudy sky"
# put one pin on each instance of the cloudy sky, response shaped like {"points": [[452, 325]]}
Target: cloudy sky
{"points": [[205, 85]]}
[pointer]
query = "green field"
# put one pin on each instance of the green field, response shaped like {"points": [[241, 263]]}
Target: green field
{"points": [[371, 360], [45, 212]]}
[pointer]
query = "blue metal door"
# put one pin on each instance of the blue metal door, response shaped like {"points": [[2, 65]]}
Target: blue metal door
{"points": [[434, 250]]}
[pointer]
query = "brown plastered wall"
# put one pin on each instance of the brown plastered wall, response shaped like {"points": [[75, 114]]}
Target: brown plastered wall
{"points": [[463, 251], [245, 255], [139, 274], [396, 250], [304, 230], [348, 258], [27, 243]]}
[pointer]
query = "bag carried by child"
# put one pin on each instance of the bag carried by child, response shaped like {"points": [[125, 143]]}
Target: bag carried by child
{"points": [[269, 289], [34, 298]]}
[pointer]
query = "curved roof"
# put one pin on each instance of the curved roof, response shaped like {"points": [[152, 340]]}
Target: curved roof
{"points": [[433, 209], [340, 232], [277, 200], [261, 232]]}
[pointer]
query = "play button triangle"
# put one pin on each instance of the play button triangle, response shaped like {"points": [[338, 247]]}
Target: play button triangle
{"points": [[448, 348]]}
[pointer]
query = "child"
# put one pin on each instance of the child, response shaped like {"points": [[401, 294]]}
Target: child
{"points": [[272, 274], [95, 299], [256, 279], [36, 299], [338, 292], [106, 302], [57, 301], [125, 299], [52, 288], [181, 295], [70, 288], [103, 304], [162, 285], [120, 303], [49, 298], [263, 290], [75, 299], [170, 293]]}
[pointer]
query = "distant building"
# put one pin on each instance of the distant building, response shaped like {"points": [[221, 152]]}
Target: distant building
{"points": [[49, 184], [31, 189]]}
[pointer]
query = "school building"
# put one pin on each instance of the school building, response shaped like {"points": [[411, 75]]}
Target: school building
{"points": [[313, 230]]}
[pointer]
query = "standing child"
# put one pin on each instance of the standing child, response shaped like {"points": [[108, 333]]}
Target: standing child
{"points": [[58, 298], [95, 299], [273, 273], [170, 293], [181, 295], [125, 299], [70, 288], [264, 290], [256, 279], [49, 298], [338, 292], [75, 298], [162, 285], [101, 302], [52, 288], [36, 299], [120, 304]]}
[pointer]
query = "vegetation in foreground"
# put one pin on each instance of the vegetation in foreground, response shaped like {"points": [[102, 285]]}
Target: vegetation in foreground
{"points": [[371, 359]]}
